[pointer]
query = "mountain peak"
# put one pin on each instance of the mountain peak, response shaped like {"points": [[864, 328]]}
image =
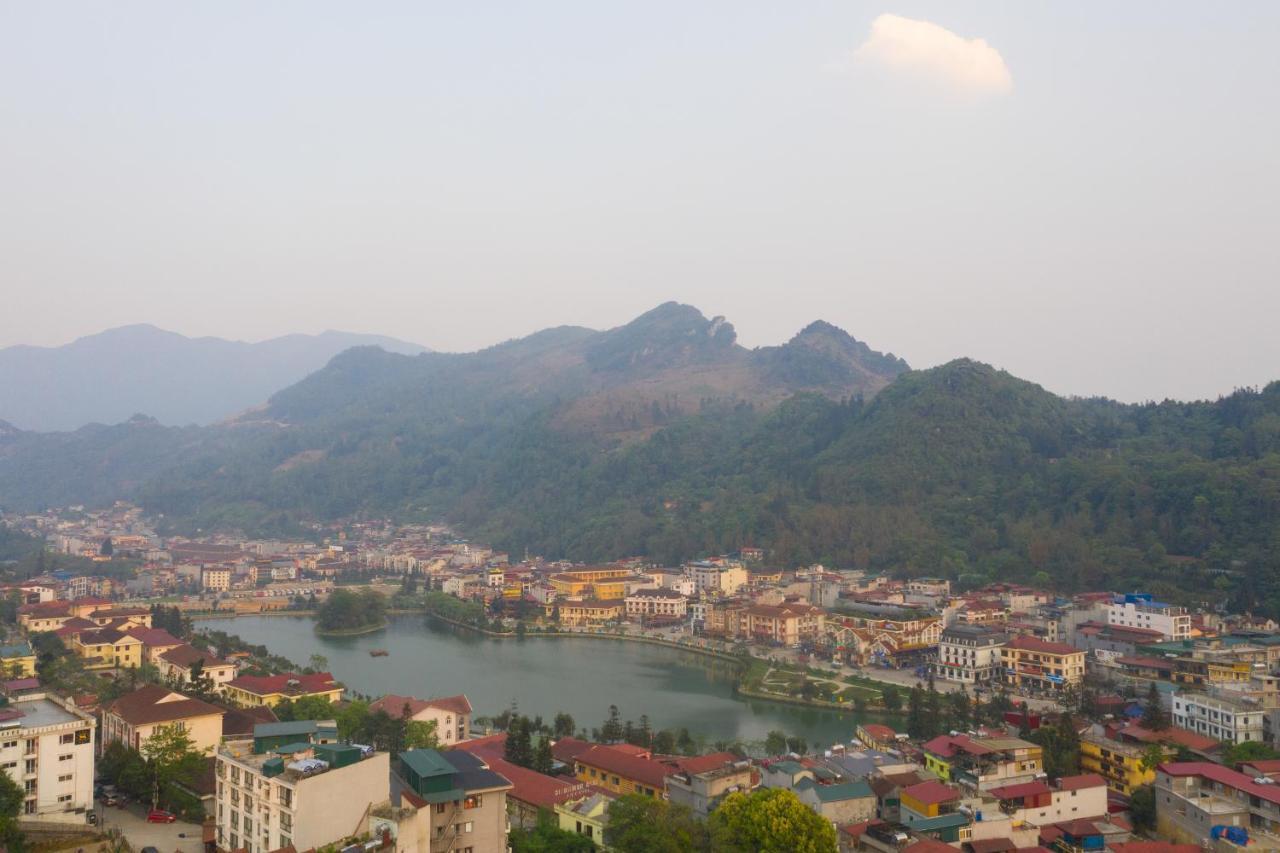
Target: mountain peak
{"points": [[665, 336]]}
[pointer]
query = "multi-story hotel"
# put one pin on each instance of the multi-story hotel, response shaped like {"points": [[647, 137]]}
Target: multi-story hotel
{"points": [[969, 654], [1231, 720], [1141, 610]]}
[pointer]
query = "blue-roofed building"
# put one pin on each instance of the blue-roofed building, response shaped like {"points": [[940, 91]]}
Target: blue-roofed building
{"points": [[1141, 610]]}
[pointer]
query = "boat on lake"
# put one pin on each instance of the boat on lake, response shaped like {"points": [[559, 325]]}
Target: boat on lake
{"points": [[378, 653]]}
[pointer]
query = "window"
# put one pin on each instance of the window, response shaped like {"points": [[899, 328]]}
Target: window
{"points": [[285, 841], [473, 802], [9, 744], [29, 807], [286, 825], [67, 757], [64, 798], [65, 778]]}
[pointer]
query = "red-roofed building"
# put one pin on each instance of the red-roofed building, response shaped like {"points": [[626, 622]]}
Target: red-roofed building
{"points": [[531, 792], [850, 834], [620, 772], [1192, 796], [155, 641], [1040, 804], [251, 690], [877, 736], [451, 714]]}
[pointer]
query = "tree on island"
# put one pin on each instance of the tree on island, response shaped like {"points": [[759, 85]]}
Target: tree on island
{"points": [[345, 610]]}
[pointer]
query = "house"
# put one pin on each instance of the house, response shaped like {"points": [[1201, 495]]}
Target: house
{"points": [[622, 771], [1040, 804], [785, 774], [451, 714], [46, 616], [135, 717], [587, 815], [155, 641], [662, 603], [1041, 665], [302, 797], [888, 789], [927, 800], [122, 618], [701, 784], [177, 663], [108, 647], [787, 624], [841, 802], [461, 801], [249, 690], [47, 750], [17, 660], [982, 762], [1192, 797]]}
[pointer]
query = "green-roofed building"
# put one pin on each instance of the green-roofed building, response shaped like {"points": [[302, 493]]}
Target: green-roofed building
{"points": [[840, 802]]}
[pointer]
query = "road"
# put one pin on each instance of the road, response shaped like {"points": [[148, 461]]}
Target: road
{"points": [[177, 837]]}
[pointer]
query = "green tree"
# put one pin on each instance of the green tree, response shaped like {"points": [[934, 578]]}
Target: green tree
{"points": [[1154, 717], [519, 745], [172, 759], [420, 734], [891, 699], [543, 759], [11, 799], [1152, 757], [548, 837], [612, 730], [563, 726], [1142, 807], [640, 824], [917, 715], [775, 743], [769, 820], [1251, 750]]}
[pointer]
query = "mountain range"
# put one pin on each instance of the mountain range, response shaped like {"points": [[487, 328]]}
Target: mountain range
{"points": [[664, 437], [110, 376]]}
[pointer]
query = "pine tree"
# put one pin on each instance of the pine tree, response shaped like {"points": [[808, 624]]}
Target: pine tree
{"points": [[1154, 717], [612, 730]]}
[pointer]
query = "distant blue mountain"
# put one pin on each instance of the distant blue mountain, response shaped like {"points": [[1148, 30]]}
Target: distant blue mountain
{"points": [[110, 376]]}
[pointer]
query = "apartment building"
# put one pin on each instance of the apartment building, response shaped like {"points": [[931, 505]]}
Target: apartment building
{"points": [[969, 654], [1231, 720], [451, 714], [1038, 664], [215, 579], [1141, 610], [302, 795], [136, 716], [1120, 763], [461, 801], [1040, 804], [46, 747]]}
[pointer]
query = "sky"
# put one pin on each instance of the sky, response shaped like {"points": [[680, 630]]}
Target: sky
{"points": [[1084, 194]]}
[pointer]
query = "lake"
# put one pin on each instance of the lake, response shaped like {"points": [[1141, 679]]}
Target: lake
{"points": [[581, 676]]}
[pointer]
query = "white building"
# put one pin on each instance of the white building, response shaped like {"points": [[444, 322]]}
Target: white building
{"points": [[657, 602], [969, 654], [1222, 719], [716, 578], [308, 799], [1140, 610], [46, 746]]}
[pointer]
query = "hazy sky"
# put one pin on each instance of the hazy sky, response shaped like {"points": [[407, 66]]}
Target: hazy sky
{"points": [[1085, 194]]}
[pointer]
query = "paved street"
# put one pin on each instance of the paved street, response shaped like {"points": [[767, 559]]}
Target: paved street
{"points": [[165, 837]]}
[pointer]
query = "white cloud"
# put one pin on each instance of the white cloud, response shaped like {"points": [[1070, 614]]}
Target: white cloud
{"points": [[927, 51]]}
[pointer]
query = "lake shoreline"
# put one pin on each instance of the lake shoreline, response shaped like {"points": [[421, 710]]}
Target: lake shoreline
{"points": [[352, 632]]}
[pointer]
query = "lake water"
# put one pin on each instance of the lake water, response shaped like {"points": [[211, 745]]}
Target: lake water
{"points": [[582, 676]]}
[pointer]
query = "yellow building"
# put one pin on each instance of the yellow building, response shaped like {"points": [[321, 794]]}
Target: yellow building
{"points": [[1119, 763], [622, 770], [17, 660], [591, 612], [252, 690], [136, 716], [585, 816], [1029, 661], [121, 617], [586, 584], [49, 616], [108, 647]]}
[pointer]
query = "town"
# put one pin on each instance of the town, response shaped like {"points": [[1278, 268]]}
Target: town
{"points": [[999, 718]]}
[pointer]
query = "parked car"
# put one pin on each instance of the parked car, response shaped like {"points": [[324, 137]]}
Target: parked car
{"points": [[109, 799], [160, 816]]}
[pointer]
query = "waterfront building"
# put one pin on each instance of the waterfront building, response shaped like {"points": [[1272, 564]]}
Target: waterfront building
{"points": [[787, 624], [666, 603], [584, 612], [451, 714], [250, 690], [716, 579], [46, 747]]}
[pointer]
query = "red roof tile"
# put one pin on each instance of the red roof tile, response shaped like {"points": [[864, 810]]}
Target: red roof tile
{"points": [[1085, 780], [931, 792], [1034, 644], [1025, 789], [619, 763]]}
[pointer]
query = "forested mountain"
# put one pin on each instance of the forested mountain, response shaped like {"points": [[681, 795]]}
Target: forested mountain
{"points": [[110, 376], [666, 438]]}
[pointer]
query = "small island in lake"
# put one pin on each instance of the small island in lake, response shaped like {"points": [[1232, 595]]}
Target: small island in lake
{"points": [[345, 613]]}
